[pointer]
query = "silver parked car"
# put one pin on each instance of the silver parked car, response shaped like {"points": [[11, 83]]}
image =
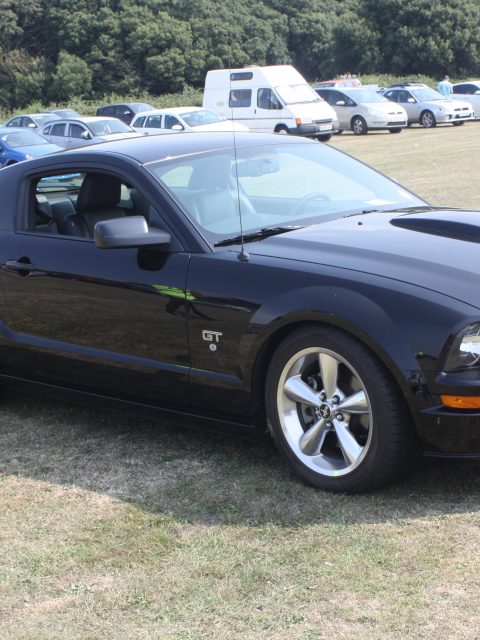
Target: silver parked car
{"points": [[31, 120], [184, 119], [468, 91], [78, 132], [427, 107], [361, 110]]}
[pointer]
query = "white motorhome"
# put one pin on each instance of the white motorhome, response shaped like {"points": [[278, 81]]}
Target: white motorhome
{"points": [[275, 98]]}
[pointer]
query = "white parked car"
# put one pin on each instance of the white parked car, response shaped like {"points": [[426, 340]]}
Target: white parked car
{"points": [[183, 119], [360, 110], [468, 91], [71, 133], [427, 107]]}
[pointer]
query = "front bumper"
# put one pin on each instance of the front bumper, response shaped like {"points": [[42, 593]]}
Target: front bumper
{"points": [[456, 116], [318, 128], [442, 430]]}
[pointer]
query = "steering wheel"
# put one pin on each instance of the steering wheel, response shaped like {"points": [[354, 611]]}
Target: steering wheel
{"points": [[316, 195]]}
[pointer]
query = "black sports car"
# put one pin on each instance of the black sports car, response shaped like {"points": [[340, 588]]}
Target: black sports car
{"points": [[250, 283]]}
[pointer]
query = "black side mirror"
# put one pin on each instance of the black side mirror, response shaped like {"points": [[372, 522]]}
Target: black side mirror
{"points": [[131, 231]]}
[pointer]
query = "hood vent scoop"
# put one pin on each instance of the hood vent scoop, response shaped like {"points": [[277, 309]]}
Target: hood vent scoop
{"points": [[447, 228]]}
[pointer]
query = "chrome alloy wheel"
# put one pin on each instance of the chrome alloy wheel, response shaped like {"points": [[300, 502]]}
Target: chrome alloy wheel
{"points": [[324, 411]]}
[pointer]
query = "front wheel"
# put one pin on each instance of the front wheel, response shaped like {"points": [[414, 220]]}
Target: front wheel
{"points": [[458, 124], [359, 126], [324, 137], [336, 414], [282, 129], [427, 120], [396, 130]]}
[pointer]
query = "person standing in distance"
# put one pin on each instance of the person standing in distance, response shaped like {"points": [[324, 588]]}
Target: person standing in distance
{"points": [[445, 87]]}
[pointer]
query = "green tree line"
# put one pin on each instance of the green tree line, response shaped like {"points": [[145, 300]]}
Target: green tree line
{"points": [[56, 50]]}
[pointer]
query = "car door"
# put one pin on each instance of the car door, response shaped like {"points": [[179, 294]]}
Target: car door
{"points": [[342, 105], [56, 134], [104, 321], [78, 135]]}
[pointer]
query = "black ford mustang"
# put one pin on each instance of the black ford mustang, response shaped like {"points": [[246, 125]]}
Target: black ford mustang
{"points": [[270, 283]]}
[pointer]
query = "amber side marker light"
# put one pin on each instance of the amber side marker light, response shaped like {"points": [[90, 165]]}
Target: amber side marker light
{"points": [[461, 402]]}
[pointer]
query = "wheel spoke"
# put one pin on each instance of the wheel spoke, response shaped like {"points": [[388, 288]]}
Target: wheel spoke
{"points": [[312, 440], [329, 372], [299, 391], [356, 403], [350, 448]]}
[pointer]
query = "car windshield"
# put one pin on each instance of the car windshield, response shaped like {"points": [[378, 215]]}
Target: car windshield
{"points": [[295, 93], [141, 106], [279, 185], [48, 117], [107, 127], [424, 95], [66, 113], [365, 95], [202, 116], [22, 139]]}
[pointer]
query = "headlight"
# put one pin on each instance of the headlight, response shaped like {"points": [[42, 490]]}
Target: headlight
{"points": [[465, 351]]}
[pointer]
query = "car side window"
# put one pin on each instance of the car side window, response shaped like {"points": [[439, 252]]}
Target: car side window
{"points": [[240, 98], [139, 122], [76, 130], [58, 130], [391, 95], [266, 99], [16, 122], [170, 122], [156, 122], [108, 111], [336, 97], [71, 203], [459, 89]]}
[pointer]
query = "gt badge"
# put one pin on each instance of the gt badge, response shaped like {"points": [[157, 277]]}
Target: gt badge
{"points": [[213, 337]]}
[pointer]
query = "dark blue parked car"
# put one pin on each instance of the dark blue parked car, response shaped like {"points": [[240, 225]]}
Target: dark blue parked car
{"points": [[21, 144]]}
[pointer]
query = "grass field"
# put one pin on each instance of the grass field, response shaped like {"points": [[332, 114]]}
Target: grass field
{"points": [[116, 528]]}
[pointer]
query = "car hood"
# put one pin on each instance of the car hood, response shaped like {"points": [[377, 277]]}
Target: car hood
{"points": [[446, 104], [384, 107], [117, 136], [435, 249], [224, 125], [38, 150]]}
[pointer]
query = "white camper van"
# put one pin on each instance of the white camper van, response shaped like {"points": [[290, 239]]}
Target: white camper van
{"points": [[275, 98]]}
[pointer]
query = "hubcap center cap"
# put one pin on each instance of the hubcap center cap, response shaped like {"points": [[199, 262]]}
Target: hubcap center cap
{"points": [[325, 411]]}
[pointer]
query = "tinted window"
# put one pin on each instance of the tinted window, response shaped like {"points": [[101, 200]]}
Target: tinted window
{"points": [[171, 121], [241, 75], [139, 122], [107, 111], [16, 122], [76, 131], [155, 122], [266, 99], [391, 95], [58, 130], [240, 98]]}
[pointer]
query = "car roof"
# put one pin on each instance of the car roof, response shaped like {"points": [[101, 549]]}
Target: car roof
{"points": [[477, 82], [32, 115], [86, 119], [146, 149], [175, 110], [121, 104]]}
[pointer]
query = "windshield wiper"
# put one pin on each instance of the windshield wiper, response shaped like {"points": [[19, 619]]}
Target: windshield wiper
{"points": [[259, 234]]}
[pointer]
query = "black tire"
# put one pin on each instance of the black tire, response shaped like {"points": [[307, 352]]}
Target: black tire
{"points": [[458, 124], [12, 162], [282, 129], [427, 119], [396, 130], [359, 126], [324, 137], [351, 411], [339, 132]]}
